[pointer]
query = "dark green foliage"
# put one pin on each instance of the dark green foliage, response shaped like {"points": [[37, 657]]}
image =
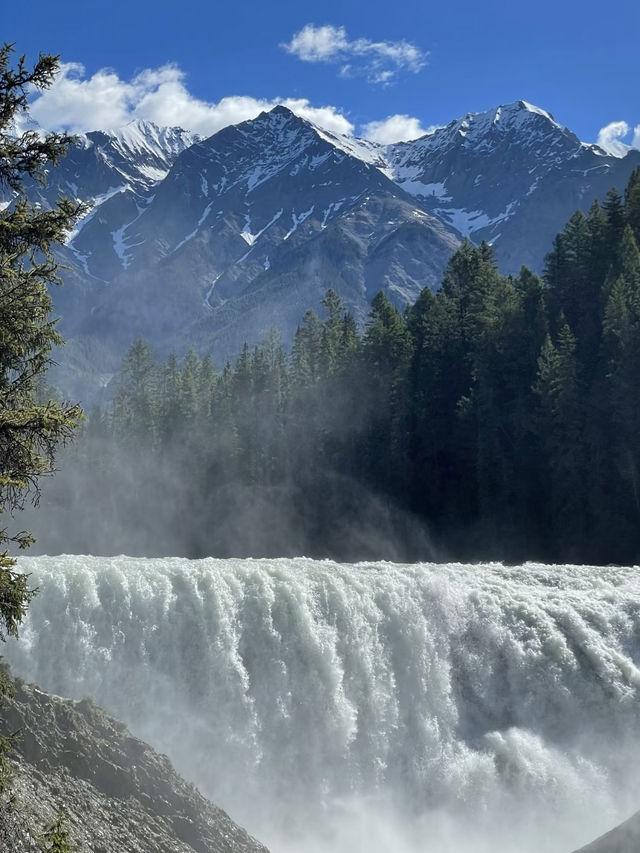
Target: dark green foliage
{"points": [[31, 427], [56, 837], [632, 203], [501, 415]]}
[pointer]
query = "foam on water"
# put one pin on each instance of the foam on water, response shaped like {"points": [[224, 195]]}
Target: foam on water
{"points": [[374, 706]]}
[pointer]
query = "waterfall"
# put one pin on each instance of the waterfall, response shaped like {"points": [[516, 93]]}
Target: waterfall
{"points": [[381, 707]]}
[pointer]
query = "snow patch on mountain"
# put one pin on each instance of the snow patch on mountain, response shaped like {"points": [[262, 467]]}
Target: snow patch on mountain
{"points": [[95, 205], [83, 259], [119, 245], [298, 220], [122, 246], [152, 173], [329, 211], [210, 291], [435, 189], [246, 232], [469, 221], [193, 233]]}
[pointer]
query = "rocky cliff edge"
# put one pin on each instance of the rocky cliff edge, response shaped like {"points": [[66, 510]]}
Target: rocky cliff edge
{"points": [[119, 795]]}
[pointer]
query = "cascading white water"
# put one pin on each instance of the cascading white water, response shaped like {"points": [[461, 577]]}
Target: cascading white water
{"points": [[372, 707]]}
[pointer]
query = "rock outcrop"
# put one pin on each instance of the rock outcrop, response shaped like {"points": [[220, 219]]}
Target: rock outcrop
{"points": [[623, 839], [119, 795]]}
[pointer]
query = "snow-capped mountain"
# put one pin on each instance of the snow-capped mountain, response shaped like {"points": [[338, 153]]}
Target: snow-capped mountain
{"points": [[247, 230], [113, 172], [511, 176], [211, 242], [105, 162]]}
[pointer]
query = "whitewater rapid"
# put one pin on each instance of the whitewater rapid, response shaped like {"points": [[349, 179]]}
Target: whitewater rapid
{"points": [[378, 707]]}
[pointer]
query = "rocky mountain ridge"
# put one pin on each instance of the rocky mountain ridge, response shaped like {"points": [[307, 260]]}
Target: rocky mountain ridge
{"points": [[211, 242]]}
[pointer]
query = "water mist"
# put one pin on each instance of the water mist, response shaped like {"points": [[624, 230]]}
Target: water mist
{"points": [[378, 707]]}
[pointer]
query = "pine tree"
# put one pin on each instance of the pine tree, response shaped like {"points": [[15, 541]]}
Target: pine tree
{"points": [[206, 388], [632, 203], [30, 429], [621, 333], [135, 403], [308, 360], [560, 419], [57, 837], [599, 260], [616, 220], [386, 355]]}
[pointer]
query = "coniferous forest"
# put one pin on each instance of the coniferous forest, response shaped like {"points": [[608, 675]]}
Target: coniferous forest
{"points": [[499, 418]]}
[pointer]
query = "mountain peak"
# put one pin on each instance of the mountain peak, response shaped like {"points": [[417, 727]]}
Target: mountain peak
{"points": [[504, 117], [529, 108], [278, 116], [530, 125], [523, 111], [139, 134], [142, 124], [281, 110], [272, 123]]}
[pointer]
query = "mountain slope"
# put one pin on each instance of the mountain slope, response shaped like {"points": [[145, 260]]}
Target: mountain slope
{"points": [[213, 242], [250, 228], [511, 176]]}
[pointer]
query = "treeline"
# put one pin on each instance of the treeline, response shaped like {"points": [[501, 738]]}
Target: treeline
{"points": [[498, 418]]}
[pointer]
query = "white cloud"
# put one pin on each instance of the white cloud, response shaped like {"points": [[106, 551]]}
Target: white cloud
{"points": [[318, 44], [396, 128], [378, 61], [79, 103], [327, 117], [610, 138]]}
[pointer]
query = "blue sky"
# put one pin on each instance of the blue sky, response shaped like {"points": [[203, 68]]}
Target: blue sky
{"points": [[206, 64]]}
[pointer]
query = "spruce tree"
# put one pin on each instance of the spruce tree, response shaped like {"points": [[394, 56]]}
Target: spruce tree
{"points": [[386, 354], [30, 429], [136, 395], [632, 203], [560, 421], [614, 209]]}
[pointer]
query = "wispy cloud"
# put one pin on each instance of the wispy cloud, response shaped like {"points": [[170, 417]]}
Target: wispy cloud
{"points": [[612, 135], [396, 128], [79, 103], [379, 61]]}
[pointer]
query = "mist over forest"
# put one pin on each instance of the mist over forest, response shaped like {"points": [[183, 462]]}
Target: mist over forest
{"points": [[498, 418]]}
